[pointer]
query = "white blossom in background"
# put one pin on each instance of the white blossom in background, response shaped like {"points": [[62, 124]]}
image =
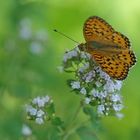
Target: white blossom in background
{"points": [[35, 38], [31, 110], [25, 31], [36, 109], [119, 115], [36, 47], [26, 130], [96, 86]]}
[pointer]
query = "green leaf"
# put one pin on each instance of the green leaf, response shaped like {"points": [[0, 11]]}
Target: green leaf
{"points": [[89, 111], [86, 133], [69, 70], [51, 109], [69, 81], [57, 121]]}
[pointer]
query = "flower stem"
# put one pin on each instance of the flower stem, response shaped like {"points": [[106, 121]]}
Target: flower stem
{"points": [[70, 129]]}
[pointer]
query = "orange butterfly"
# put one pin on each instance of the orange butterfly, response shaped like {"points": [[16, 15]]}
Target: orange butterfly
{"points": [[109, 48]]}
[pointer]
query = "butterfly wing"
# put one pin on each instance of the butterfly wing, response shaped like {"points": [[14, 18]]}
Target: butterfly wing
{"points": [[113, 66], [121, 40], [97, 29]]}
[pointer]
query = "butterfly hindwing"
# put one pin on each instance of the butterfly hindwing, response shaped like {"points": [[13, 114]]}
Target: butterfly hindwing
{"points": [[128, 57], [116, 68]]}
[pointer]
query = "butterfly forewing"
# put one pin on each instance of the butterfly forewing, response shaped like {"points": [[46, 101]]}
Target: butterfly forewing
{"points": [[120, 39], [96, 28]]}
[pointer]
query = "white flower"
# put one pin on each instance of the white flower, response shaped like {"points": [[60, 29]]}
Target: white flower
{"points": [[88, 77], [46, 99], [36, 110], [39, 120], [31, 110], [40, 113], [95, 93], [119, 115], [83, 91], [98, 84], [25, 29], [83, 68], [102, 94], [102, 73], [115, 97], [75, 85], [36, 47], [26, 130], [25, 33], [41, 101], [118, 85], [28, 107], [87, 100], [70, 54], [109, 86], [35, 100], [38, 101], [117, 107], [100, 109]]}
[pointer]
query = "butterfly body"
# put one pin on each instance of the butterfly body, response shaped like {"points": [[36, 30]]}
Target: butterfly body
{"points": [[103, 48], [110, 49]]}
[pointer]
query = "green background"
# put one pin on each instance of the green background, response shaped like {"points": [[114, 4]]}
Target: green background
{"points": [[25, 74]]}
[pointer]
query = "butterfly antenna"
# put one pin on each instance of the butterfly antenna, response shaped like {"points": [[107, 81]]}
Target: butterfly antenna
{"points": [[66, 36]]}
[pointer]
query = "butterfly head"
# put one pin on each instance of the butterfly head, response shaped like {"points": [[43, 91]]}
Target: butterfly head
{"points": [[82, 47]]}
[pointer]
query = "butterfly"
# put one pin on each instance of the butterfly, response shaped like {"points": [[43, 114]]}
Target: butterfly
{"points": [[108, 48]]}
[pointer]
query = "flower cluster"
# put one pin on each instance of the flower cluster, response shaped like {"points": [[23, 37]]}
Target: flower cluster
{"points": [[35, 39], [37, 109], [97, 87]]}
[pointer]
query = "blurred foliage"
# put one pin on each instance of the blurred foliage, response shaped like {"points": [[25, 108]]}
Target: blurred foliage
{"points": [[30, 52]]}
